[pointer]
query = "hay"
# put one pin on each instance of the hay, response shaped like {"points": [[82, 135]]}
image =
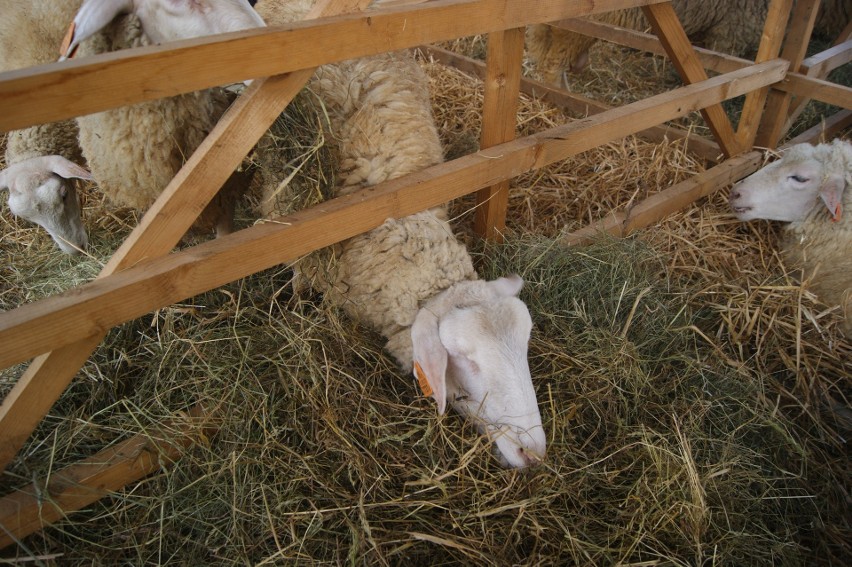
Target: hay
{"points": [[695, 398]]}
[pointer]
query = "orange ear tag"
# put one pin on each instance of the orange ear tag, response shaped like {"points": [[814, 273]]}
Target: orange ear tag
{"points": [[836, 216], [66, 42], [422, 380]]}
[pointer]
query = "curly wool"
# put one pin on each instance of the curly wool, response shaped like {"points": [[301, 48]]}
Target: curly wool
{"points": [[134, 151], [381, 127], [822, 248], [30, 34]]}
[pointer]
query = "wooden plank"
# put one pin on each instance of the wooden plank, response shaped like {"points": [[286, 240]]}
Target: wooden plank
{"points": [[32, 507], [778, 102], [829, 128], [817, 89], [711, 60], [499, 120], [819, 66], [579, 104], [770, 45], [160, 229], [665, 23], [149, 285], [71, 88]]}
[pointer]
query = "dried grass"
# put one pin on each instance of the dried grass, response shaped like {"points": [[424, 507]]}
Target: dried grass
{"points": [[696, 399]]}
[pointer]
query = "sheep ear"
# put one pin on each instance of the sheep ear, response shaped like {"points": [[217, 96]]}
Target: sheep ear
{"points": [[831, 192], [430, 358], [508, 286], [67, 169], [93, 16]]}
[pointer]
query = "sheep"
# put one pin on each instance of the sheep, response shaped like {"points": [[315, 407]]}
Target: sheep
{"points": [[808, 188], [134, 151], [465, 339], [728, 26], [39, 193], [42, 160]]}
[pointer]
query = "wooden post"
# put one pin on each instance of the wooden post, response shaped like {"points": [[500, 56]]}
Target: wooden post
{"points": [[770, 130], [770, 45], [666, 25], [500, 109]]}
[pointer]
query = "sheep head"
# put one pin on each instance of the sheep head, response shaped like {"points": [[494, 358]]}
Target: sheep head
{"points": [[790, 188], [40, 191], [470, 345], [163, 20]]}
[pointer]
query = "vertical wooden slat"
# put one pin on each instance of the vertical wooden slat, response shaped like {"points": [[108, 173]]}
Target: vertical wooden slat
{"points": [[665, 23], [158, 232], [767, 133], [499, 112], [797, 106]]}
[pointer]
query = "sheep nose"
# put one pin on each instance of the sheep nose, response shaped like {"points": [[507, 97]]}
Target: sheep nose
{"points": [[734, 195], [530, 458]]}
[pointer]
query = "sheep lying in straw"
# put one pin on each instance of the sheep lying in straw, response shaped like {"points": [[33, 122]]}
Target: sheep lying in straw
{"points": [[133, 152], [809, 187], [465, 338], [42, 159], [728, 26]]}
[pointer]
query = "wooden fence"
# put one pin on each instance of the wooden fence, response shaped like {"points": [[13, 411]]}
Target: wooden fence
{"points": [[144, 275]]}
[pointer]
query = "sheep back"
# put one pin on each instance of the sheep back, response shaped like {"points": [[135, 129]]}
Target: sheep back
{"points": [[134, 151]]}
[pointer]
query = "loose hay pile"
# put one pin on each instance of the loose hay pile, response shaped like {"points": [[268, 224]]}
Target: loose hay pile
{"points": [[696, 400]]}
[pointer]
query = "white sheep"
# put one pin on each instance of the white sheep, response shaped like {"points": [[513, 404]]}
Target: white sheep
{"points": [[42, 160], [134, 151], [728, 26], [809, 188], [411, 279], [40, 192]]}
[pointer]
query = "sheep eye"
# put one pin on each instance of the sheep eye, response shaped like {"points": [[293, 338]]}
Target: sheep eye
{"points": [[798, 178]]}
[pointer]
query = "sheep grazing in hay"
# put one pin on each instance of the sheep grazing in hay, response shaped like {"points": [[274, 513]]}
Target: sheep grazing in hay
{"points": [[809, 188], [465, 339]]}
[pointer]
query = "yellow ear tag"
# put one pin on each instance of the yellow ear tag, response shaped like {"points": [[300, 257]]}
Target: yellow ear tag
{"points": [[66, 42], [422, 380]]}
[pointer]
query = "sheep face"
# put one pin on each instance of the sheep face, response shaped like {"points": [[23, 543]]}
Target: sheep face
{"points": [[788, 189], [470, 344], [40, 191], [164, 20]]}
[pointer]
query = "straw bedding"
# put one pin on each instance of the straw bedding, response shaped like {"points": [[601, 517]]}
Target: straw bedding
{"points": [[695, 397]]}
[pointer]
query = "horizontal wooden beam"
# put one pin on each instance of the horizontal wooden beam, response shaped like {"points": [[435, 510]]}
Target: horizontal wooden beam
{"points": [[667, 201], [58, 91], [579, 104], [659, 206], [97, 306], [821, 64], [30, 508], [711, 60], [817, 89]]}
